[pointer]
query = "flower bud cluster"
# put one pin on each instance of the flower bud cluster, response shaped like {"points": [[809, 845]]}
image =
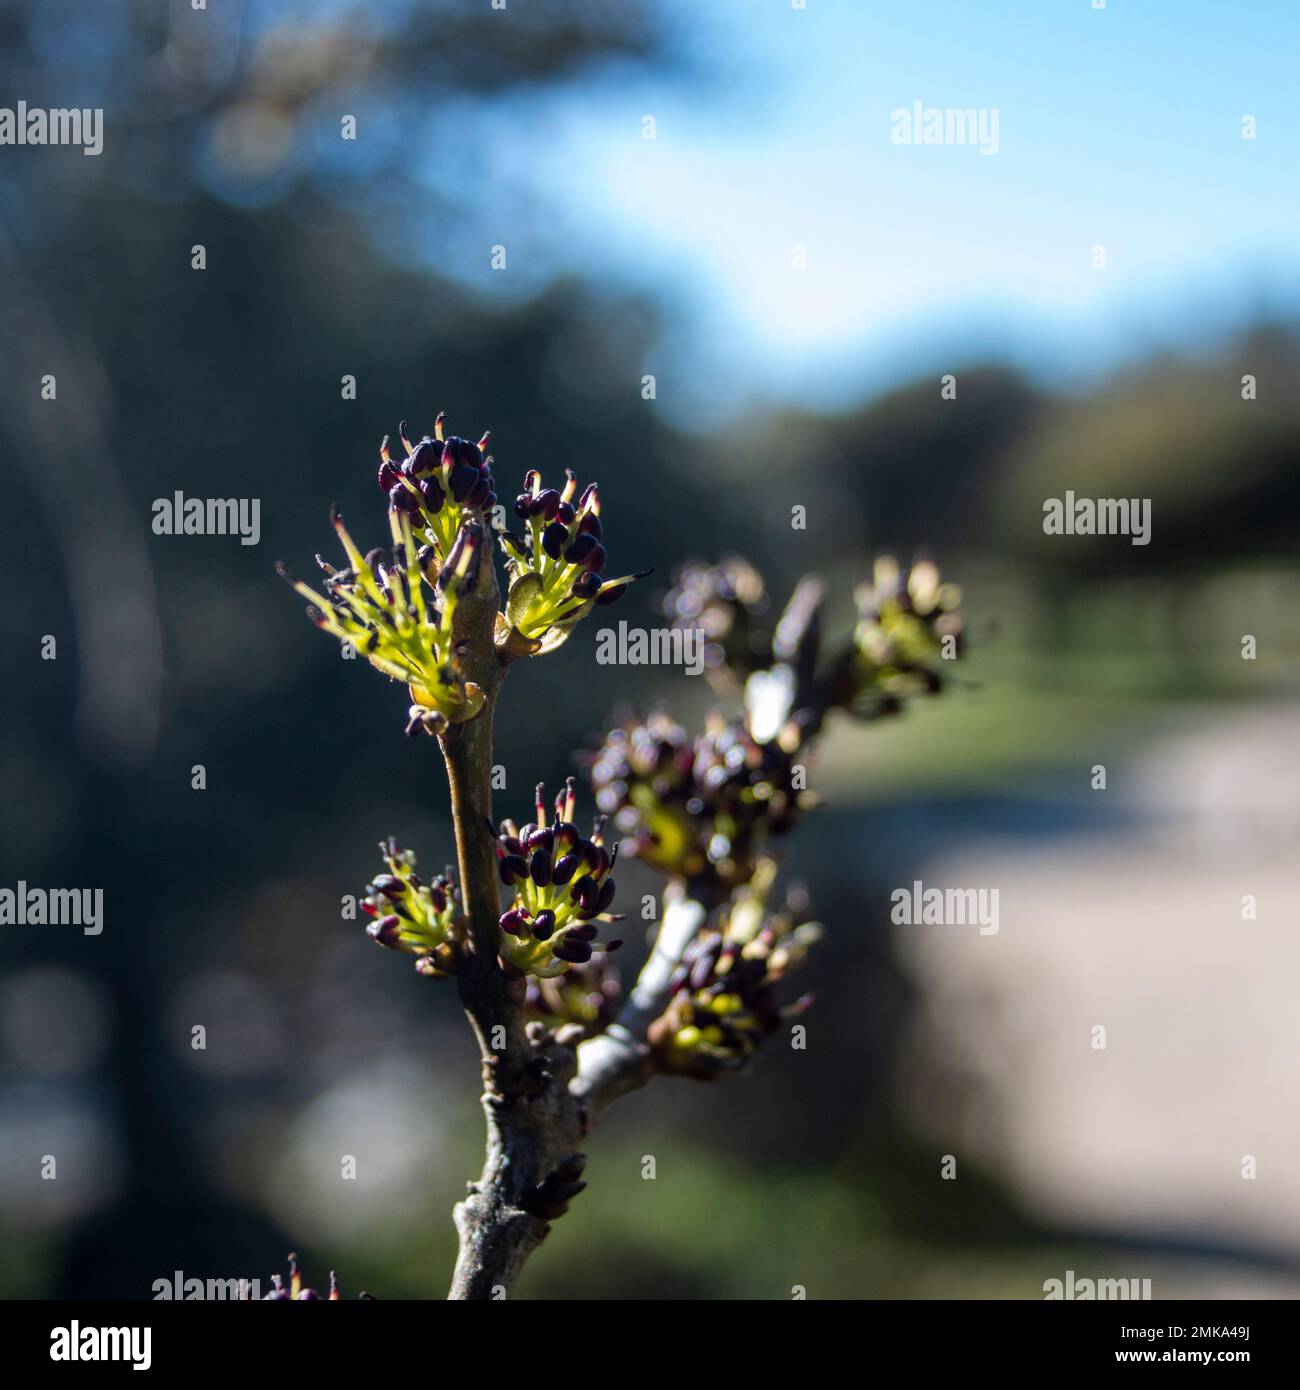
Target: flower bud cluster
{"points": [[556, 567], [702, 807], [378, 604], [408, 914], [587, 996], [562, 889], [729, 604], [907, 623], [441, 483], [723, 1001], [691, 807]]}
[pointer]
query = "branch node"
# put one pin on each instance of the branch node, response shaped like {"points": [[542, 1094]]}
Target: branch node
{"points": [[550, 1198]]}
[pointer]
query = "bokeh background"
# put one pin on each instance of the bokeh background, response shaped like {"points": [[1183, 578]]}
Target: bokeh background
{"points": [[775, 387]]}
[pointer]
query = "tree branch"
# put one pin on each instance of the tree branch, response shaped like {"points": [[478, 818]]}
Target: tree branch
{"points": [[538, 1105], [618, 1060], [530, 1172], [493, 1003], [535, 1134]]}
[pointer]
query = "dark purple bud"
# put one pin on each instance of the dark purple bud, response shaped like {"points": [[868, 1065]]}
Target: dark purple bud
{"points": [[385, 930], [607, 596], [515, 922], [388, 475], [431, 491], [565, 513], [586, 586], [546, 504], [585, 891], [606, 895], [402, 499], [423, 460], [539, 868], [595, 562], [479, 493], [462, 481], [390, 886], [554, 539], [511, 845], [523, 504], [590, 854], [564, 869], [457, 452], [542, 838], [584, 931], [544, 924], [590, 525], [581, 549], [575, 952], [513, 867]]}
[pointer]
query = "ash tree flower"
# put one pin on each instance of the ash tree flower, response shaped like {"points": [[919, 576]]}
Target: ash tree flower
{"points": [[586, 997], [723, 1000], [907, 626], [562, 889], [695, 807], [556, 567], [441, 483], [906, 620], [700, 809], [557, 1042], [379, 605], [728, 603], [408, 914]]}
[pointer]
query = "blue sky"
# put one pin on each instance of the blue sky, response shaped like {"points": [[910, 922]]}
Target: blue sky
{"points": [[1119, 127]]}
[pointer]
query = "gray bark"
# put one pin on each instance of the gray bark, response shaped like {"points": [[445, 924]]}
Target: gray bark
{"points": [[535, 1133]]}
